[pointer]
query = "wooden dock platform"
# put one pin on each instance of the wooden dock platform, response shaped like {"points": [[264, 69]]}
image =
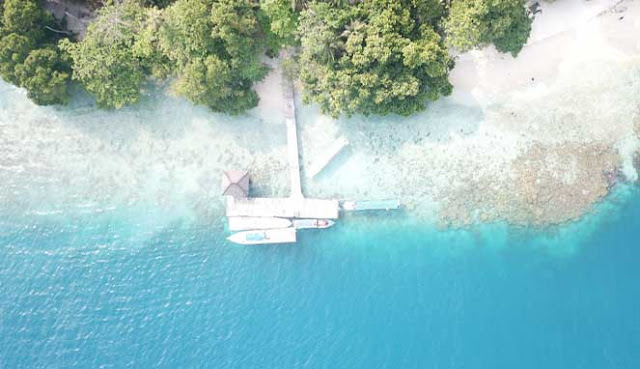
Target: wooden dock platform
{"points": [[292, 138], [294, 161], [287, 207], [294, 207]]}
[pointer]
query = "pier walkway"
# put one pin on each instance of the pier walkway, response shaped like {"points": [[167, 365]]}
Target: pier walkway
{"points": [[287, 207], [292, 138], [294, 206]]}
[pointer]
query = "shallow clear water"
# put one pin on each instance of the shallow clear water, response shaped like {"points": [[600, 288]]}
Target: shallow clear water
{"points": [[113, 255], [125, 290]]}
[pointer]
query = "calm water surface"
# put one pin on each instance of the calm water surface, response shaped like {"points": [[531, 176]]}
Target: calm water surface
{"points": [[122, 291]]}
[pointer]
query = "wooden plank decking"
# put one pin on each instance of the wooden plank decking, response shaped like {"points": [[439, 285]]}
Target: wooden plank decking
{"points": [[295, 206], [294, 161], [283, 207], [292, 138]]}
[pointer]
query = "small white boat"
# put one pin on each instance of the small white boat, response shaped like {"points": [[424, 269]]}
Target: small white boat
{"points": [[312, 223], [255, 223], [266, 236]]}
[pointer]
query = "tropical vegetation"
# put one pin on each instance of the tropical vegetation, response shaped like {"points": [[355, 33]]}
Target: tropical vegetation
{"points": [[29, 55], [505, 23], [357, 57]]}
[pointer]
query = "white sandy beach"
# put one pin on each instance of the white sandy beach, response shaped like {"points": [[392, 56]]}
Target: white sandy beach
{"points": [[536, 139]]}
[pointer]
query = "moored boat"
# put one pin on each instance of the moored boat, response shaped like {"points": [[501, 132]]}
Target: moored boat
{"points": [[312, 223], [266, 236], [256, 223]]}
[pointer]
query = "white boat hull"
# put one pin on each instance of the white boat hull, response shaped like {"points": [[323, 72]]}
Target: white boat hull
{"points": [[263, 237], [312, 223]]}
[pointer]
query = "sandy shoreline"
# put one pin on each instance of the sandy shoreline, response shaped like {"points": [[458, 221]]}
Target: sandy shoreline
{"points": [[503, 147], [533, 140], [569, 159]]}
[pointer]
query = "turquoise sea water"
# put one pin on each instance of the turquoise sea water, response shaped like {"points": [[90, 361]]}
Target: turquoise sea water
{"points": [[125, 290]]}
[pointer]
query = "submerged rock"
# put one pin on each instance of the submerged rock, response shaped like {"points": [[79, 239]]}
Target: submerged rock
{"points": [[550, 184], [559, 183]]}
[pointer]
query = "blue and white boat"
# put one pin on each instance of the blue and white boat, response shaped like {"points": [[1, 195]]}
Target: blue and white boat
{"points": [[266, 236]]}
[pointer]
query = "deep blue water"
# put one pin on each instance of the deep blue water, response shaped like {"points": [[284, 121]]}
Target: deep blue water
{"points": [[110, 292]]}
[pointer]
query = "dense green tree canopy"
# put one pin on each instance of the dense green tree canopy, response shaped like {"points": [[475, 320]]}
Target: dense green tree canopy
{"points": [[105, 61], [159, 3], [505, 23], [44, 74], [376, 57], [14, 49], [29, 56], [25, 17], [1, 15], [215, 48], [282, 20], [146, 46], [357, 57], [429, 11], [210, 49]]}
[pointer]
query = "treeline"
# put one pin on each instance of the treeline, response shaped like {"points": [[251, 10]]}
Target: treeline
{"points": [[357, 57], [29, 56]]}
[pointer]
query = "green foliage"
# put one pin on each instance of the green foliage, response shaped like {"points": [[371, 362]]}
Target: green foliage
{"points": [[159, 3], [428, 11], [44, 74], [211, 49], [215, 48], [105, 61], [375, 57], [1, 16], [511, 37], [146, 46], [29, 57], [281, 20], [368, 57], [235, 26], [25, 17], [290, 68], [14, 49], [210, 82], [186, 32], [505, 23]]}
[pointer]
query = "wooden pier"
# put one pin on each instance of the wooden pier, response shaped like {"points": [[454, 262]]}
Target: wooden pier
{"points": [[286, 207], [292, 139], [296, 206], [269, 220]]}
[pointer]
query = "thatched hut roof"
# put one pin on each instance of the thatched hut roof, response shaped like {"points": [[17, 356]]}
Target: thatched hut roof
{"points": [[235, 183]]}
